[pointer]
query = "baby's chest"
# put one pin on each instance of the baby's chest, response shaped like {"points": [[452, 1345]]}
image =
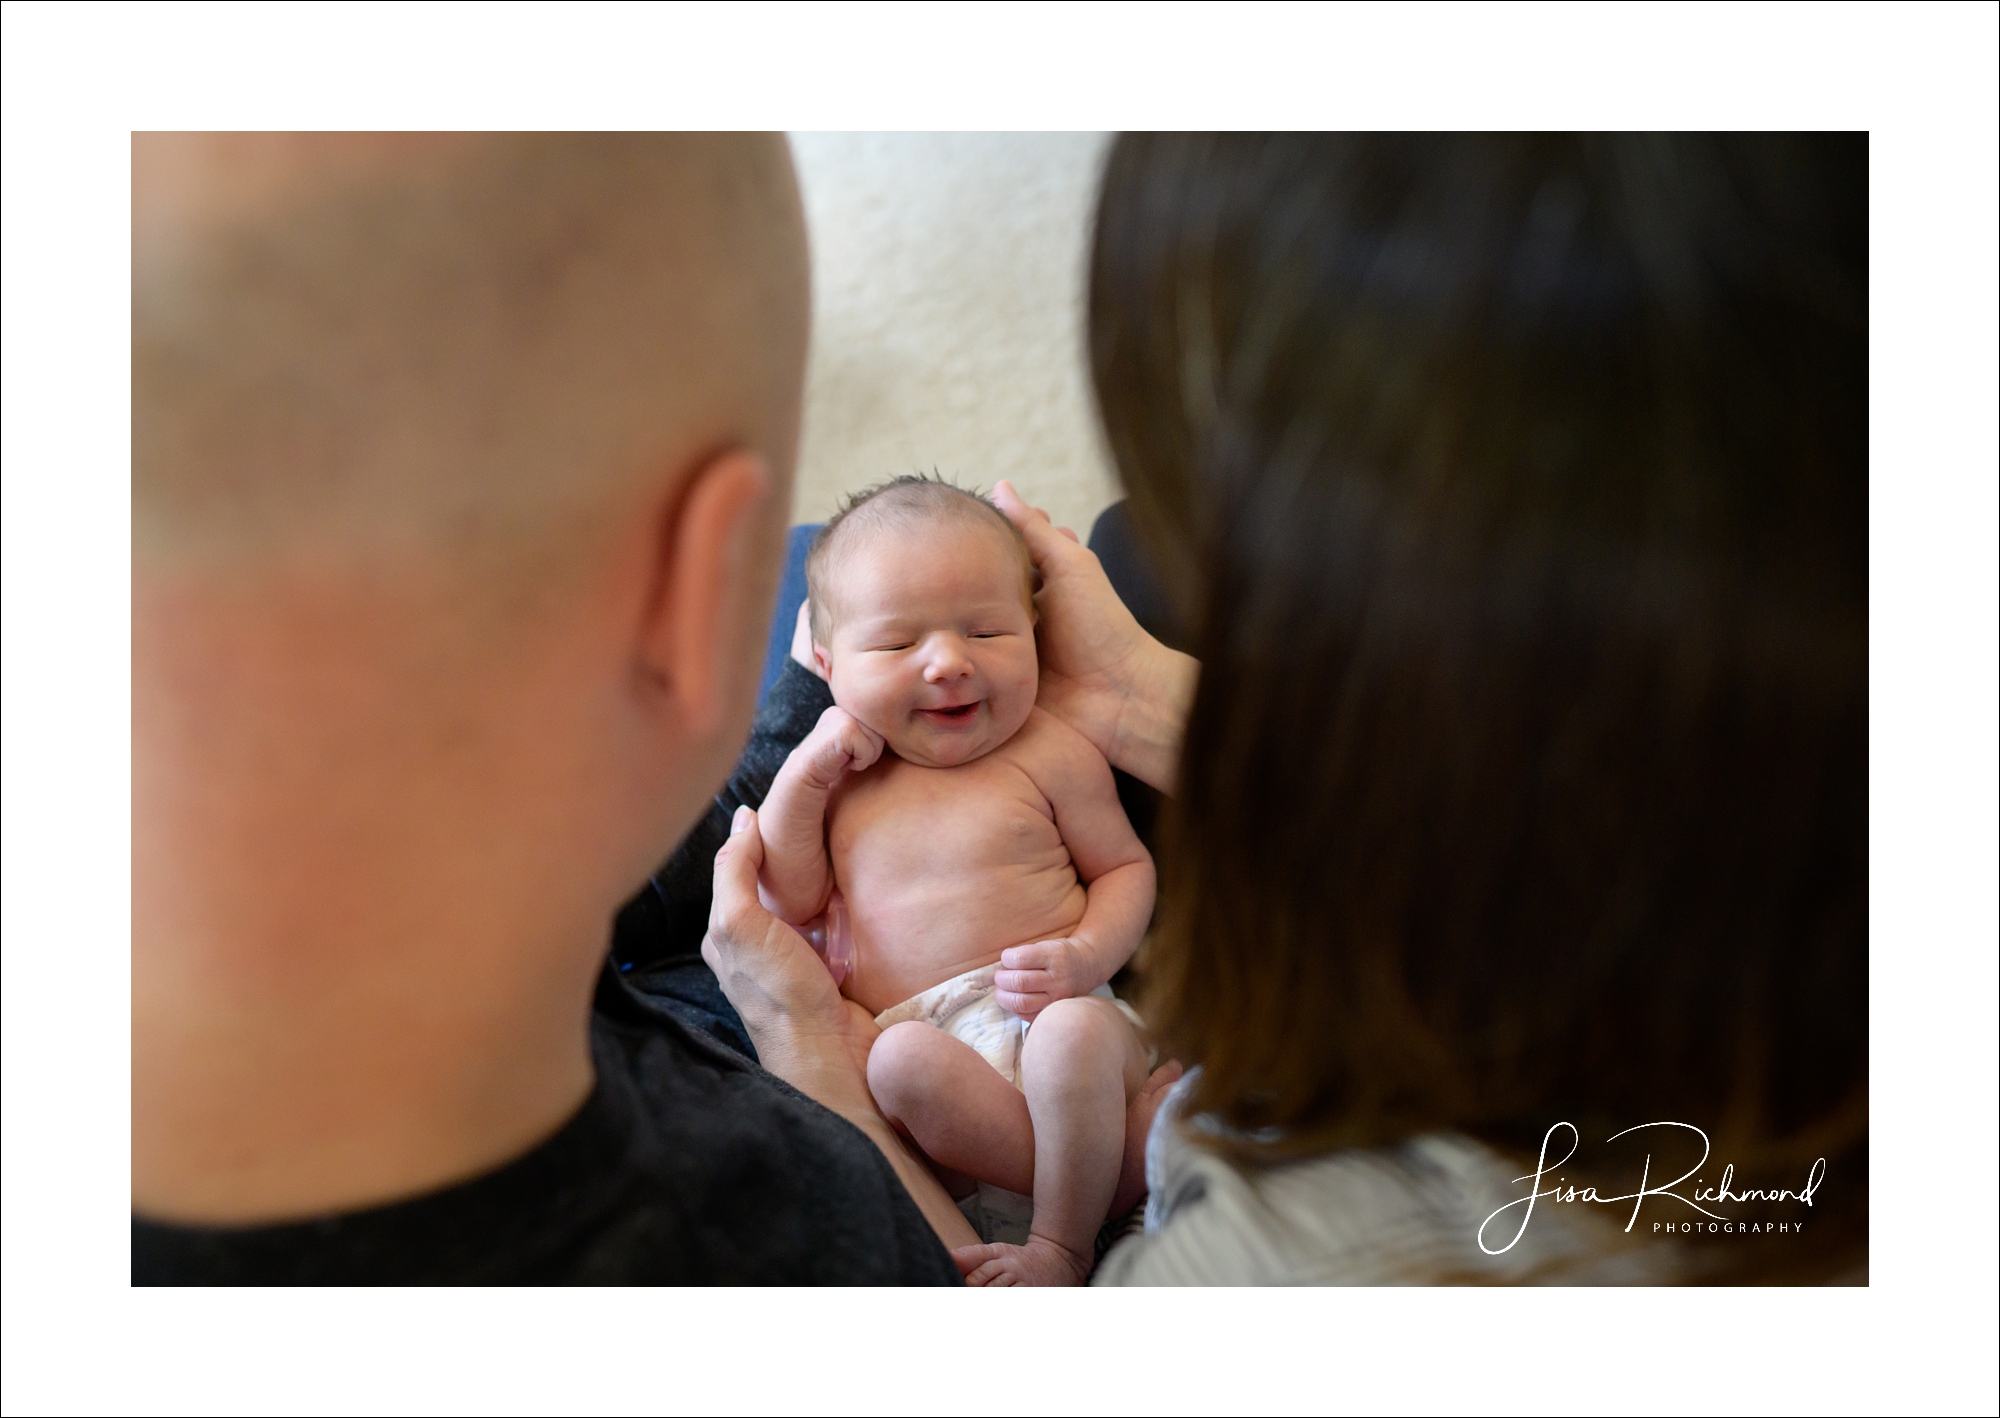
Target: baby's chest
{"points": [[906, 818]]}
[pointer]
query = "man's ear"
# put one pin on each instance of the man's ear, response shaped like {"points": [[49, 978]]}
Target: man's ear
{"points": [[712, 589]]}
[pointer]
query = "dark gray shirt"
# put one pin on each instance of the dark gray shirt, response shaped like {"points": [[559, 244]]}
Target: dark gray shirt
{"points": [[689, 1164]]}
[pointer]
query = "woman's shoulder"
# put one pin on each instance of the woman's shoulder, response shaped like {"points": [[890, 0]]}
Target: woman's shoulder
{"points": [[1404, 1215]]}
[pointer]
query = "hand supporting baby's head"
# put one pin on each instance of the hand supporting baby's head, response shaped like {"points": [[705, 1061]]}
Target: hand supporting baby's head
{"points": [[923, 619]]}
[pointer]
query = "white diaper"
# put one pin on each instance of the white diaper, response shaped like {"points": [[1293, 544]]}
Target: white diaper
{"points": [[968, 1008]]}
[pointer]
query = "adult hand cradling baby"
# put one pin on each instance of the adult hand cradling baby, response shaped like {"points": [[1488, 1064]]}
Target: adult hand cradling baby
{"points": [[788, 1002], [805, 1031], [1102, 674]]}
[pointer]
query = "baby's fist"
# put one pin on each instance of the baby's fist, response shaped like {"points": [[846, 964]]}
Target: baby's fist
{"points": [[839, 743], [1033, 977]]}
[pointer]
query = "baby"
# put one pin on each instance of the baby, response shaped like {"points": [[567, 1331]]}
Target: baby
{"points": [[979, 880]]}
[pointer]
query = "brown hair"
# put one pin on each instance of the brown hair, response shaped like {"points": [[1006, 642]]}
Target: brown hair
{"points": [[910, 499], [1514, 489]]}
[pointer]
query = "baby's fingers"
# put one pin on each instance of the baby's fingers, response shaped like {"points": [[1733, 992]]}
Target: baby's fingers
{"points": [[970, 1258], [865, 746], [982, 1265], [1023, 1006], [1038, 956], [1023, 982]]}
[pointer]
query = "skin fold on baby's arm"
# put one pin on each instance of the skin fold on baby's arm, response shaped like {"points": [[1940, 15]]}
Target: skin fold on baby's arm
{"points": [[1111, 861], [797, 877]]}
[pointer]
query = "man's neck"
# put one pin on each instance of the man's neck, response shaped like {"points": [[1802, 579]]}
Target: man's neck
{"points": [[277, 1079], [351, 982]]}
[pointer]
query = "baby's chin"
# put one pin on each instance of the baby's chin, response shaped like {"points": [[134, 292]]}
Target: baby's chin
{"points": [[943, 751], [927, 752], [934, 749]]}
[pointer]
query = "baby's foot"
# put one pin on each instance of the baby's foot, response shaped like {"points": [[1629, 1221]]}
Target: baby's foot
{"points": [[1040, 1262]]}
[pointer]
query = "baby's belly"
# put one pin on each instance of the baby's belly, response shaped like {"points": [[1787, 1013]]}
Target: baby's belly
{"points": [[933, 897], [913, 932]]}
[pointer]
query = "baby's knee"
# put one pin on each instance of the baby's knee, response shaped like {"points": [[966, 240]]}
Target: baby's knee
{"points": [[900, 1060], [1078, 1032]]}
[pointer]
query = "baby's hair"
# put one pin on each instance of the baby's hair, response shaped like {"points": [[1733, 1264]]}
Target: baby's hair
{"points": [[909, 500]]}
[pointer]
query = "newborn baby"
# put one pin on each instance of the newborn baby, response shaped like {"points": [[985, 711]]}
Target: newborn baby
{"points": [[979, 881]]}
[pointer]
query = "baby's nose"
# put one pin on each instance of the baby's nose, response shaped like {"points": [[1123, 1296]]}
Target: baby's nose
{"points": [[947, 660]]}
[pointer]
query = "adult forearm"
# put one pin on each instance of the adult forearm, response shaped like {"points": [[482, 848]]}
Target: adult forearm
{"points": [[924, 1188], [828, 1075], [804, 1032], [1153, 715]]}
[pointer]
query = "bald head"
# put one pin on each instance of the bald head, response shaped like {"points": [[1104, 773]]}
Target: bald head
{"points": [[459, 471], [348, 340]]}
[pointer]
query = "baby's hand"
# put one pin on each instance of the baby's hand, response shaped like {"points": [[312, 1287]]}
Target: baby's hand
{"points": [[1033, 977], [838, 744]]}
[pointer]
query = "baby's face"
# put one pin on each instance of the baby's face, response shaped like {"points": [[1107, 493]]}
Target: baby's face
{"points": [[933, 642]]}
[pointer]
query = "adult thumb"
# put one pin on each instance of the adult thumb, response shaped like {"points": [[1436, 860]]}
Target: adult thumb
{"points": [[737, 863], [1036, 530]]}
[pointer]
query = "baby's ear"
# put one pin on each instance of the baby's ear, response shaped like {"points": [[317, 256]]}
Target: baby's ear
{"points": [[805, 649], [822, 662]]}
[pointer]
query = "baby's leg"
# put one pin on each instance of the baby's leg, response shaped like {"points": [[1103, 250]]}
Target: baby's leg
{"points": [[1081, 1066], [953, 1104]]}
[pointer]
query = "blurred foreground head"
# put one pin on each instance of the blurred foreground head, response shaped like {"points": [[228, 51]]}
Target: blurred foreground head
{"points": [[345, 342], [420, 430], [1515, 491], [460, 465]]}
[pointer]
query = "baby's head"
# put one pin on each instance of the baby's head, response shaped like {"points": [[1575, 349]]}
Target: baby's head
{"points": [[923, 619]]}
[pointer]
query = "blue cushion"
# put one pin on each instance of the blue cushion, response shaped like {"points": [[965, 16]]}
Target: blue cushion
{"points": [[791, 593]]}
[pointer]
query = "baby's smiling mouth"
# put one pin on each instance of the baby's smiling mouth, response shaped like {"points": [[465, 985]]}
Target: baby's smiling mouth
{"points": [[952, 714]]}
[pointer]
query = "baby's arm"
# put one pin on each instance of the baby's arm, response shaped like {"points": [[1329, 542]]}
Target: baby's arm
{"points": [[1111, 861], [796, 878]]}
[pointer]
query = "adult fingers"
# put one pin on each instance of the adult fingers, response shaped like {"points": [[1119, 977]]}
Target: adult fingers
{"points": [[1138, 1127], [739, 924], [765, 967], [1045, 541], [736, 869], [1162, 1078], [1016, 507]]}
